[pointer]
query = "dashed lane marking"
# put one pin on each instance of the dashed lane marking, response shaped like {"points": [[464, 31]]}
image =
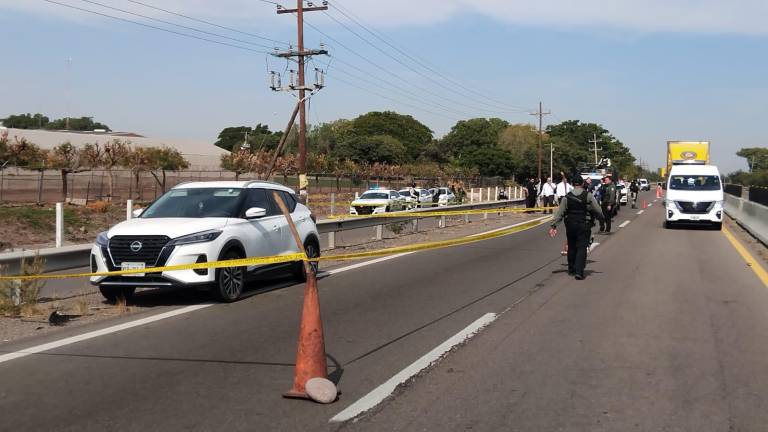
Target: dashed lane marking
{"points": [[625, 223], [592, 247], [641, 212], [377, 395], [750, 260]]}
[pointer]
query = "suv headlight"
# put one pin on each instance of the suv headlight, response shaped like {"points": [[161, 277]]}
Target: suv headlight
{"points": [[201, 237], [102, 239]]}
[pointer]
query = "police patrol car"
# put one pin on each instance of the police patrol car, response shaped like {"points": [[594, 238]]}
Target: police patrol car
{"points": [[377, 201]]}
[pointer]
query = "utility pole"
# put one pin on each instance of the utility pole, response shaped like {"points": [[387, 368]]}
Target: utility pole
{"points": [[69, 91], [551, 158], [301, 55], [594, 141], [541, 115]]}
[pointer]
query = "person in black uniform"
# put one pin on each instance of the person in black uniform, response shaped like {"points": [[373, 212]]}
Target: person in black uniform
{"points": [[579, 208]]}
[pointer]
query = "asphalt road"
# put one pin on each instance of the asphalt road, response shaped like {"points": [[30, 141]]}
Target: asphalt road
{"points": [[665, 334]]}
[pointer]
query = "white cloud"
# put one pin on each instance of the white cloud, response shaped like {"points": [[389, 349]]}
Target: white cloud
{"points": [[704, 16]]}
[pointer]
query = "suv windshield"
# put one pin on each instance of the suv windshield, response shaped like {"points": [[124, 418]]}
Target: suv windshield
{"points": [[375, 195], [695, 182], [196, 203]]}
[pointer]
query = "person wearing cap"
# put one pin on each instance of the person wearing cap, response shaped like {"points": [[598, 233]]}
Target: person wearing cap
{"points": [[578, 208], [608, 201]]}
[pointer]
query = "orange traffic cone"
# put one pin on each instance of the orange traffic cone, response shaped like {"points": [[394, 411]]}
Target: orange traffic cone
{"points": [[645, 204], [658, 192], [310, 355]]}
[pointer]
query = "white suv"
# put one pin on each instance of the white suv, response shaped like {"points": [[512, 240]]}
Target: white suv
{"points": [[203, 222]]}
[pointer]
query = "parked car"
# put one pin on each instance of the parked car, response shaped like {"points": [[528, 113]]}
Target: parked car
{"points": [[202, 222], [422, 198], [376, 201], [443, 196], [622, 190], [644, 184]]}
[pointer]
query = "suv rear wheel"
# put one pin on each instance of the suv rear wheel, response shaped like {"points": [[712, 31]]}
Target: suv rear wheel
{"points": [[113, 293], [230, 281]]}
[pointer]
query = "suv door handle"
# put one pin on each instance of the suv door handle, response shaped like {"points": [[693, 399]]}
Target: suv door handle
{"points": [[276, 228]]}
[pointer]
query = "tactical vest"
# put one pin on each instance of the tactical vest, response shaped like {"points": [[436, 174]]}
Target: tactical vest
{"points": [[577, 208]]}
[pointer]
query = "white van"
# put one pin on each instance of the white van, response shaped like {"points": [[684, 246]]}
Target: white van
{"points": [[694, 195]]}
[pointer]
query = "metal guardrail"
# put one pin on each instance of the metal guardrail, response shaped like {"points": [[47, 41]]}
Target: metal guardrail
{"points": [[750, 215], [69, 257]]}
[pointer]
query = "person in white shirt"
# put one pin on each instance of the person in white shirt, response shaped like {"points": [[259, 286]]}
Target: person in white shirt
{"points": [[548, 195], [562, 188]]}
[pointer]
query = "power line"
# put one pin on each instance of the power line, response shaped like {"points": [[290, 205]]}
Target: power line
{"points": [[378, 35], [176, 25], [155, 27], [209, 23], [405, 65]]}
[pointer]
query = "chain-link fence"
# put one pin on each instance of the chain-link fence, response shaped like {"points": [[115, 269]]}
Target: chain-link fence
{"points": [[19, 185]]}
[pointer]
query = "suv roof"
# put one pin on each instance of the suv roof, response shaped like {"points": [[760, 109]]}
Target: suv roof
{"points": [[234, 185]]}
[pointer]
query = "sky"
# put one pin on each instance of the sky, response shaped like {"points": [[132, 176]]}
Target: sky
{"points": [[647, 71]]}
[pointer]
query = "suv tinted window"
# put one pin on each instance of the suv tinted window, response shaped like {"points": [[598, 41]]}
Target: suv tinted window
{"points": [[258, 198], [289, 200]]}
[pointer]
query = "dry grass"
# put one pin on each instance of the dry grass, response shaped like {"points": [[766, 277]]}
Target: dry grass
{"points": [[121, 306], [19, 298], [99, 206]]}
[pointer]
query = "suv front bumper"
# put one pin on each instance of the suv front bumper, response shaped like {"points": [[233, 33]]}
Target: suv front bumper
{"points": [[183, 254], [674, 214]]}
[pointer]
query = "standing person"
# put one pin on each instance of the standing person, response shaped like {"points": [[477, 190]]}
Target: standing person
{"points": [[562, 188], [530, 194], [634, 189], [607, 203], [578, 208], [548, 195]]}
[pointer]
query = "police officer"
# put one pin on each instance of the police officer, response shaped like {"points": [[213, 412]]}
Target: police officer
{"points": [[578, 208], [607, 203]]}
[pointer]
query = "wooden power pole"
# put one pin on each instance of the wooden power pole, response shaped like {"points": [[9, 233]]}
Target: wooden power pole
{"points": [[541, 115], [301, 55]]}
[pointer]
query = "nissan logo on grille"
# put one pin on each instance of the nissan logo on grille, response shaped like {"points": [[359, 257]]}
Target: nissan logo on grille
{"points": [[136, 246]]}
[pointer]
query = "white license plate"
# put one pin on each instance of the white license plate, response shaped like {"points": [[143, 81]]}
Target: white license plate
{"points": [[133, 266], [695, 218]]}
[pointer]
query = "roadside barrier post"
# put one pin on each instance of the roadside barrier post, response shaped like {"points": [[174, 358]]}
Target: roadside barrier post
{"points": [[488, 194], [332, 240], [466, 218], [310, 353], [129, 210], [496, 194], [442, 222], [59, 224], [379, 232], [333, 203], [472, 195], [509, 192], [416, 225]]}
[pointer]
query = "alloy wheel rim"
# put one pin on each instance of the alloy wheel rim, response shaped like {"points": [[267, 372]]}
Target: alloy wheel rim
{"points": [[231, 281]]}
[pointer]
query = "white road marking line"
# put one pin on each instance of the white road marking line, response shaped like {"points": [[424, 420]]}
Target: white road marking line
{"points": [[363, 264], [511, 226], [655, 200], [381, 392], [625, 223], [94, 334], [641, 212], [650, 204], [592, 247]]}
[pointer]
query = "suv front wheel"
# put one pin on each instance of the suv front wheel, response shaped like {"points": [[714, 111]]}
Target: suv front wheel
{"points": [[313, 251], [230, 281]]}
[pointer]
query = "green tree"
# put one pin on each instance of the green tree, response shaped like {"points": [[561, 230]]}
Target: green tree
{"points": [[77, 124], [757, 158], [382, 149], [324, 138], [26, 121], [468, 136], [259, 137], [491, 161], [571, 139], [414, 135]]}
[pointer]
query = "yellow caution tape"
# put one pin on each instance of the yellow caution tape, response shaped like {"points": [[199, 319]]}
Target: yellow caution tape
{"points": [[243, 262], [443, 213]]}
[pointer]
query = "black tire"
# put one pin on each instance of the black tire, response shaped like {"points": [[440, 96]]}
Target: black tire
{"points": [[313, 251], [113, 293], [668, 225], [717, 226], [230, 281]]}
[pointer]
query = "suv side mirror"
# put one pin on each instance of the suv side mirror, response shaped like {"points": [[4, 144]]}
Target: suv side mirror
{"points": [[255, 213], [136, 213]]}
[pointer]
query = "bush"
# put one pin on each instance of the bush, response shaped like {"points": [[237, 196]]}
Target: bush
{"points": [[20, 297]]}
